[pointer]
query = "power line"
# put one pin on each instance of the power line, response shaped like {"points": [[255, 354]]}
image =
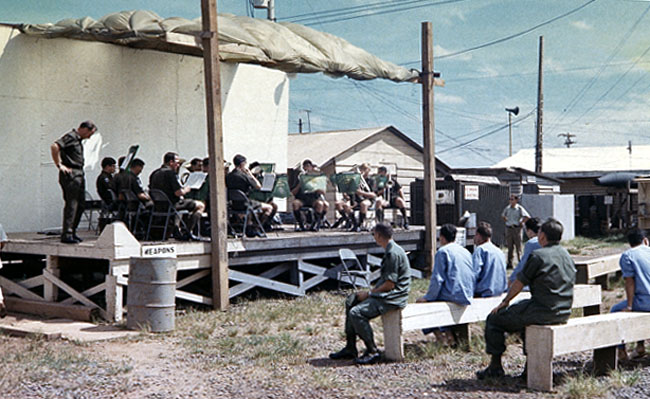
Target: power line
{"points": [[491, 132], [509, 37], [604, 66], [344, 14]]}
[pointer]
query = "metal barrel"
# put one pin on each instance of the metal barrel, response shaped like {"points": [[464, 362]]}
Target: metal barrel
{"points": [[151, 294]]}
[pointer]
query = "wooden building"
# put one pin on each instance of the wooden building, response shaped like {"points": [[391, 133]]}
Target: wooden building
{"points": [[593, 175], [342, 150]]}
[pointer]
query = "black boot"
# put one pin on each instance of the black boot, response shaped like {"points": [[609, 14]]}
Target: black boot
{"points": [[299, 218], [370, 356], [406, 219], [349, 352], [379, 214]]}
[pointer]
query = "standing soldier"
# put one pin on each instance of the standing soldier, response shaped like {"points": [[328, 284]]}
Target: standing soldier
{"points": [[514, 215], [68, 156]]}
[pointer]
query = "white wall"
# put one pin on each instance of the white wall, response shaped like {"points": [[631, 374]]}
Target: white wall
{"points": [[154, 99], [559, 206]]}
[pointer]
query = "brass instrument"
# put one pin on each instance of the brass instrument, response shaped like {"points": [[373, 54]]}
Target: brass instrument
{"points": [[363, 184]]}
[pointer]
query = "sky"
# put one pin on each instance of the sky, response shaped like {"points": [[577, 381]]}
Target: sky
{"points": [[596, 67]]}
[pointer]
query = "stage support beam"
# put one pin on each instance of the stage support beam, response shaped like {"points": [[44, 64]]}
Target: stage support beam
{"points": [[218, 212], [429, 144]]}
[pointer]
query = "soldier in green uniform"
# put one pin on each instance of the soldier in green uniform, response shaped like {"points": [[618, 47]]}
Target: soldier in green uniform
{"points": [[68, 156], [550, 273], [390, 292]]}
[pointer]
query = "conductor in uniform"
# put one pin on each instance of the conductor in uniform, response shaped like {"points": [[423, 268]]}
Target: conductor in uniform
{"points": [[68, 156]]}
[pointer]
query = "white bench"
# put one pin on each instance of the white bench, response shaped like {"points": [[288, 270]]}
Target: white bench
{"points": [[598, 269], [417, 316], [601, 333]]}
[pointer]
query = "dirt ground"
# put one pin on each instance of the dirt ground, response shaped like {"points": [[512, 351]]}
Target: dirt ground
{"points": [[272, 347]]}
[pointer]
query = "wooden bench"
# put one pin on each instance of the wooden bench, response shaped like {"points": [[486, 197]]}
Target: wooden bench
{"points": [[601, 333], [596, 268], [417, 316]]}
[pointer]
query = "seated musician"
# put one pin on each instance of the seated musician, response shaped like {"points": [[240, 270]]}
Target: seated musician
{"points": [[130, 180], [315, 200], [363, 198], [202, 193], [241, 178], [165, 179], [389, 195], [258, 173], [105, 182]]}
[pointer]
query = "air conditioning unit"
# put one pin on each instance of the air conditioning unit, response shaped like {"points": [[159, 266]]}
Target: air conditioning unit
{"points": [[261, 3]]}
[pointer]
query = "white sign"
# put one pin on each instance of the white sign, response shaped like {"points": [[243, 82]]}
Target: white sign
{"points": [[471, 192], [609, 200], [158, 251]]}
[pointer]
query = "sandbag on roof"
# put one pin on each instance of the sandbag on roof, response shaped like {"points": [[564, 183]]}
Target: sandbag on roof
{"points": [[286, 46]]}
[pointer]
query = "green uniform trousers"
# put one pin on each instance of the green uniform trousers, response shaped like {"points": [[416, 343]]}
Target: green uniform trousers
{"points": [[514, 319], [74, 195], [358, 315]]}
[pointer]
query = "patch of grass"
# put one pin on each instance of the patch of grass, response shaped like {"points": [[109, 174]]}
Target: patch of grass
{"points": [[325, 379], [579, 244], [624, 378], [583, 386]]}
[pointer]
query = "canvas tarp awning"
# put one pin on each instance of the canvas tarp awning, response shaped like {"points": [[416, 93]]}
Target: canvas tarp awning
{"points": [[289, 47]]}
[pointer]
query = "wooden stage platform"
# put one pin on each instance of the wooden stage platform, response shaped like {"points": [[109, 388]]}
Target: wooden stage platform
{"points": [[286, 261]]}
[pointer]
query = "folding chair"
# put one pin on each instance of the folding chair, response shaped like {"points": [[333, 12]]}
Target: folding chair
{"points": [[134, 212], [352, 269], [239, 210], [163, 210], [108, 212], [91, 205]]}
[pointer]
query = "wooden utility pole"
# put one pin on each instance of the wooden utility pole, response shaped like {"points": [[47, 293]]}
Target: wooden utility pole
{"points": [[540, 109], [218, 213], [429, 144]]}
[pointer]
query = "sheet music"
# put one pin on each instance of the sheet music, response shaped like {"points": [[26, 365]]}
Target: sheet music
{"points": [[195, 180], [268, 182]]}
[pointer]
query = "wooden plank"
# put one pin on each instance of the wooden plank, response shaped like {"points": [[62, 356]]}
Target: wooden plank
{"points": [[114, 293], [188, 296], [313, 281], [49, 309], [10, 287], [595, 332], [266, 283], [192, 278], [31, 282], [393, 341], [596, 267], [50, 292], [87, 293], [17, 332], [271, 273], [218, 212], [71, 291], [539, 359]]}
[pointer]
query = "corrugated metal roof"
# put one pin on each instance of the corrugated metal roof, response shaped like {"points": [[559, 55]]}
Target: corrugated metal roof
{"points": [[320, 147], [582, 159]]}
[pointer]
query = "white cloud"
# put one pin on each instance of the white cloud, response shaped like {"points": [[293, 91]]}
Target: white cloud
{"points": [[448, 98], [582, 25], [440, 51]]}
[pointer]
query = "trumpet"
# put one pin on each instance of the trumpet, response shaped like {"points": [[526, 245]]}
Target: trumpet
{"points": [[363, 184]]}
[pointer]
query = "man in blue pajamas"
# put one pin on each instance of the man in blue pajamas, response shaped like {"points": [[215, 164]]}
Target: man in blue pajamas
{"points": [[489, 264], [532, 228], [452, 278], [635, 265]]}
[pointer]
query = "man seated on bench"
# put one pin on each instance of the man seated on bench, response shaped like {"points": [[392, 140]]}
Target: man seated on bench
{"points": [[551, 274], [635, 265], [489, 264], [452, 278], [314, 200], [531, 228], [390, 292]]}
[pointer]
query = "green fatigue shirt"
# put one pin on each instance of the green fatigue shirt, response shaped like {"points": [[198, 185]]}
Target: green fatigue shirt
{"points": [[395, 267], [72, 152], [551, 274]]}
